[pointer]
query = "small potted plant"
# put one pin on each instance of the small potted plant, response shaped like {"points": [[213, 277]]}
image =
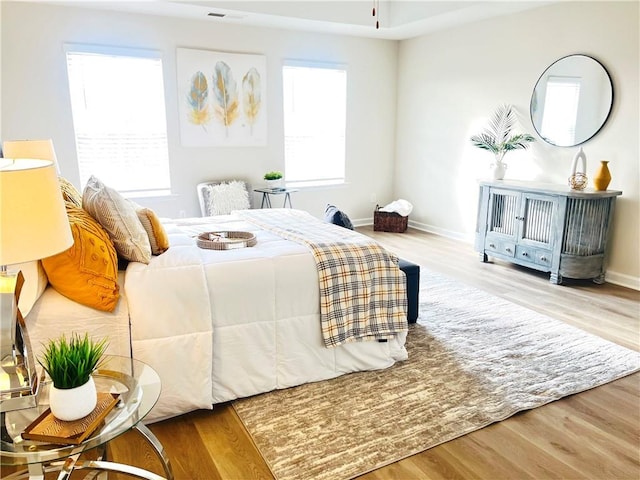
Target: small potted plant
{"points": [[70, 364], [497, 138], [273, 179]]}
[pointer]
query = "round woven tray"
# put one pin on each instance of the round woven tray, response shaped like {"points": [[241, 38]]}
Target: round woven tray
{"points": [[226, 240]]}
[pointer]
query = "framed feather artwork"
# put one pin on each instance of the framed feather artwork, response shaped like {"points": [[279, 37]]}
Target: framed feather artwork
{"points": [[221, 98]]}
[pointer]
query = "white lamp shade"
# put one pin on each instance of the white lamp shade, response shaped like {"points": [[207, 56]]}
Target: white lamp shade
{"points": [[39, 149], [33, 217]]}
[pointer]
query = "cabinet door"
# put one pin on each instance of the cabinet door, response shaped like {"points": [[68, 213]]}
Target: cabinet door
{"points": [[536, 216], [503, 213]]}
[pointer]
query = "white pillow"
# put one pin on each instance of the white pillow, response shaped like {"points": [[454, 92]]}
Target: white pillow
{"points": [[226, 197], [119, 218]]}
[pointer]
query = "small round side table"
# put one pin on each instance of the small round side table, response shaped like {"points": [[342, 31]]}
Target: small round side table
{"points": [[138, 386]]}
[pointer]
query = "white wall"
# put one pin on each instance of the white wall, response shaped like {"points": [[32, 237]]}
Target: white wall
{"points": [[450, 82], [447, 85], [36, 100]]}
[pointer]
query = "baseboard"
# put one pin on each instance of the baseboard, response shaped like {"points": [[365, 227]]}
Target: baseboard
{"points": [[615, 278], [623, 280], [467, 238]]}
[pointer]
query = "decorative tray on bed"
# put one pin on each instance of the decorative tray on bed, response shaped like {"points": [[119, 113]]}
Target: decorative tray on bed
{"points": [[226, 240]]}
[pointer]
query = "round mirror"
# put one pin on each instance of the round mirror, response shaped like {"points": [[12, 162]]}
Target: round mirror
{"points": [[571, 101]]}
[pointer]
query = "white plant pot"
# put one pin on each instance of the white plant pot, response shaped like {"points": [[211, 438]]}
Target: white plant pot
{"points": [[498, 170], [73, 403], [277, 183]]}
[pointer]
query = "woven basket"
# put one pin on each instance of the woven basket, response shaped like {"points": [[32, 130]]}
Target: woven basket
{"points": [[389, 221], [226, 240]]}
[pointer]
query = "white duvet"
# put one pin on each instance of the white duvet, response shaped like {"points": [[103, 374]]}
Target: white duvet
{"points": [[222, 324]]}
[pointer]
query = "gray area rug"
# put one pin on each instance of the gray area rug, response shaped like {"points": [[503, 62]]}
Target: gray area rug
{"points": [[474, 359]]}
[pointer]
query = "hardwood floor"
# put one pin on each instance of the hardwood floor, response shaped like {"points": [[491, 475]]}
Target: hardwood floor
{"points": [[591, 435]]}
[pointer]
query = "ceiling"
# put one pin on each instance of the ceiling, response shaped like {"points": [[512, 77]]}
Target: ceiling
{"points": [[399, 19]]}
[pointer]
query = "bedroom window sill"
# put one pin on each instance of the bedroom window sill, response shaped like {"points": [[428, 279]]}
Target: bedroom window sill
{"points": [[317, 185]]}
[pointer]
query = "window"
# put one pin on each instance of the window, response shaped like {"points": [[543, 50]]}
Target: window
{"points": [[561, 109], [119, 118], [315, 106]]}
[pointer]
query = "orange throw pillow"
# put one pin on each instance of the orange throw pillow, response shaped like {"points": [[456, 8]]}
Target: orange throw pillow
{"points": [[87, 272]]}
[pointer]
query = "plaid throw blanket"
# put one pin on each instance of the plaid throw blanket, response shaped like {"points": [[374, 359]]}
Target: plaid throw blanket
{"points": [[362, 290]]}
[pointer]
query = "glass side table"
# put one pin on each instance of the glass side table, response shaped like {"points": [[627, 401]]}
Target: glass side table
{"points": [[267, 192], [139, 389]]}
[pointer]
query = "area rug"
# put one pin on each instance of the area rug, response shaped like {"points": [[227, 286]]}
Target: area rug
{"points": [[474, 359]]}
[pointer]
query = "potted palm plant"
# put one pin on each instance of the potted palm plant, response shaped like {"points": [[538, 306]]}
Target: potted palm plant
{"points": [[70, 364], [498, 139]]}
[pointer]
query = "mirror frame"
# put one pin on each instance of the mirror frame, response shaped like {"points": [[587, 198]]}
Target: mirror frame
{"points": [[596, 128]]}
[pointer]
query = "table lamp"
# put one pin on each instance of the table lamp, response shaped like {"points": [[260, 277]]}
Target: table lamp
{"points": [[38, 149], [33, 225]]}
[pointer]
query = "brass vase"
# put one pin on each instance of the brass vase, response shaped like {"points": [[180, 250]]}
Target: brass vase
{"points": [[603, 176]]}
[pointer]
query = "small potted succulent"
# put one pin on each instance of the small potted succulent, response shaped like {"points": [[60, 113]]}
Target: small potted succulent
{"points": [[70, 364], [273, 179]]}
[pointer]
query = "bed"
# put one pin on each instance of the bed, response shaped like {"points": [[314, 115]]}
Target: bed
{"points": [[223, 324]]}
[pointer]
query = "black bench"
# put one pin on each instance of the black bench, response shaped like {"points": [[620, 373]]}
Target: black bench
{"points": [[412, 273]]}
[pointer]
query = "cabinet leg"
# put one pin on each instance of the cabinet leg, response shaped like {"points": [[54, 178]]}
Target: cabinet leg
{"points": [[555, 278], [483, 257]]}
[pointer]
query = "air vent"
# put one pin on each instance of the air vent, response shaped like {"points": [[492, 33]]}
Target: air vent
{"points": [[217, 15]]}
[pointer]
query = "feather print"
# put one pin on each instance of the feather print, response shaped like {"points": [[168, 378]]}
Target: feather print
{"points": [[251, 98], [226, 92], [197, 100]]}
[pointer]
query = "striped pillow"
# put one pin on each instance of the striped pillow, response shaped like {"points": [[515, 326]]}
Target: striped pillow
{"points": [[118, 217]]}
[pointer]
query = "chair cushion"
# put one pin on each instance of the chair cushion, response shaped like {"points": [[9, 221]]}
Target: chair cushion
{"points": [[333, 215], [225, 197]]}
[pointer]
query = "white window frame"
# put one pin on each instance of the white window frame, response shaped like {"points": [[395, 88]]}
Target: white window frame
{"points": [[125, 168], [338, 174]]}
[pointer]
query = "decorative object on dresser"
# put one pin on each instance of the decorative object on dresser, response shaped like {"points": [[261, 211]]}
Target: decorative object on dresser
{"points": [[34, 225], [70, 364], [546, 227], [602, 177], [578, 178], [497, 138]]}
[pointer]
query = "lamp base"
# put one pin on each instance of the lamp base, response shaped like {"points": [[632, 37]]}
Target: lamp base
{"points": [[18, 378]]}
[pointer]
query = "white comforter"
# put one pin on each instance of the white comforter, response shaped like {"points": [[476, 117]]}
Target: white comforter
{"points": [[221, 324]]}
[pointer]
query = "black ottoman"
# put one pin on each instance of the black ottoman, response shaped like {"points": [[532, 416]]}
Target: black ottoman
{"points": [[412, 272]]}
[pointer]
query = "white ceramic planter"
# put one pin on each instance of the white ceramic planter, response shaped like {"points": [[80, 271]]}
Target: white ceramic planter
{"points": [[277, 183], [73, 403]]}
